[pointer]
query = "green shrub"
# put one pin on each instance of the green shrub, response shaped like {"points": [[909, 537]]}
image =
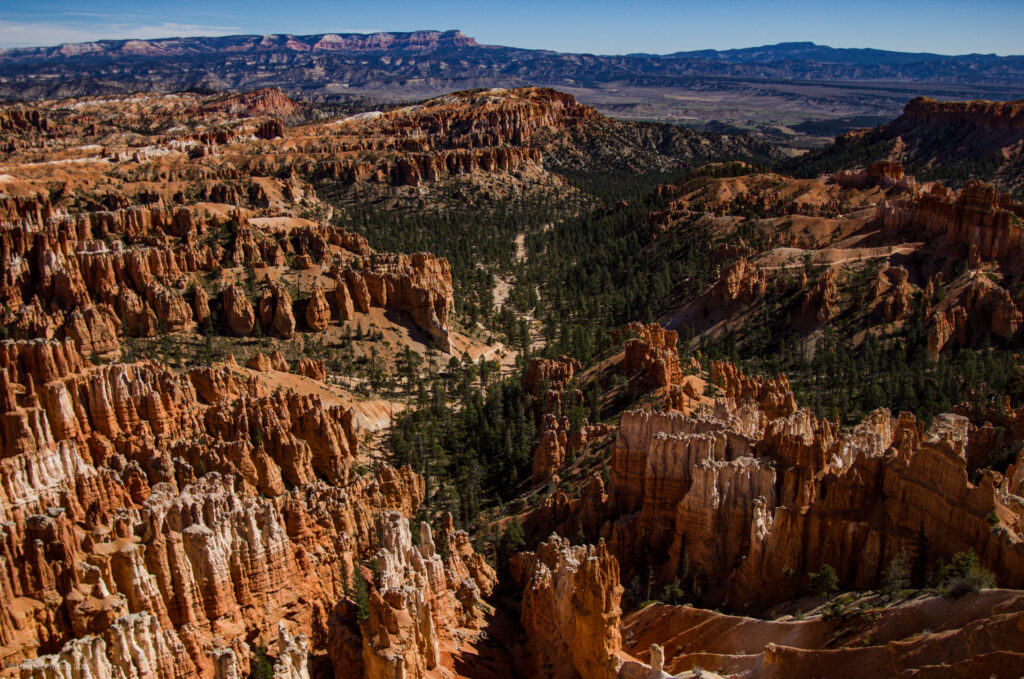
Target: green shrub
{"points": [[964, 575], [361, 595], [896, 576], [261, 666], [824, 582]]}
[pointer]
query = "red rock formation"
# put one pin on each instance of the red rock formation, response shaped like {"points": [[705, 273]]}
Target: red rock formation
{"points": [[892, 293], [278, 363], [773, 396], [985, 299], [318, 313], [160, 522], [132, 645], [343, 300], [275, 309], [972, 636], [571, 609], [741, 281], [238, 311], [653, 351], [977, 216], [981, 114], [945, 325], [983, 307], [549, 453], [131, 513], [270, 129], [420, 284], [880, 171], [213, 384], [201, 306], [313, 369], [260, 362], [884, 173], [554, 373], [24, 120], [739, 493], [822, 300], [420, 598], [94, 329], [267, 100]]}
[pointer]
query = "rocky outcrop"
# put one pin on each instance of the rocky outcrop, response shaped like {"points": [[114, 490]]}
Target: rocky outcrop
{"points": [[885, 174], [275, 309], [318, 313], [420, 598], [277, 362], [980, 114], [342, 299], [238, 312], [201, 307], [133, 646], [946, 325], [163, 519], [420, 284], [177, 515], [94, 329], [550, 373], [822, 299], [891, 293], [292, 655], [982, 308], [888, 641], [266, 100], [260, 362], [653, 352], [977, 217], [571, 609], [311, 368], [209, 554], [550, 451], [774, 396], [270, 129], [739, 282], [736, 494]]}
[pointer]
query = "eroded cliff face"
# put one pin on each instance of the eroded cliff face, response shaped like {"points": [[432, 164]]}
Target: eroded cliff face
{"points": [[165, 521], [571, 609], [653, 352], [985, 114], [458, 134], [66, 282], [756, 492], [976, 217], [420, 599], [176, 514], [130, 241]]}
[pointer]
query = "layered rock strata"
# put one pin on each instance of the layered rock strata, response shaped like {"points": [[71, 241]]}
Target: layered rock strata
{"points": [[571, 609], [420, 598], [174, 514], [977, 216], [739, 492]]}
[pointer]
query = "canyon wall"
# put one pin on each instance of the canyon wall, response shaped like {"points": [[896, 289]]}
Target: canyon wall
{"points": [[758, 493]]}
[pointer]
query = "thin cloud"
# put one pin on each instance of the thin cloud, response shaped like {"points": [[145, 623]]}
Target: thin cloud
{"points": [[27, 34]]}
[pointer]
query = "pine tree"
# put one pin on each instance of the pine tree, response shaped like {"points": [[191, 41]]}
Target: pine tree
{"points": [[824, 582], [361, 595], [896, 576]]}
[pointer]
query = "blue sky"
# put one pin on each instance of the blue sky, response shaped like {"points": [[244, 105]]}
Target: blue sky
{"points": [[595, 26]]}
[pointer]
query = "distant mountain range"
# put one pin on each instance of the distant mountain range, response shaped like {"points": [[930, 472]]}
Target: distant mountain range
{"points": [[326, 62], [823, 54], [825, 82]]}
